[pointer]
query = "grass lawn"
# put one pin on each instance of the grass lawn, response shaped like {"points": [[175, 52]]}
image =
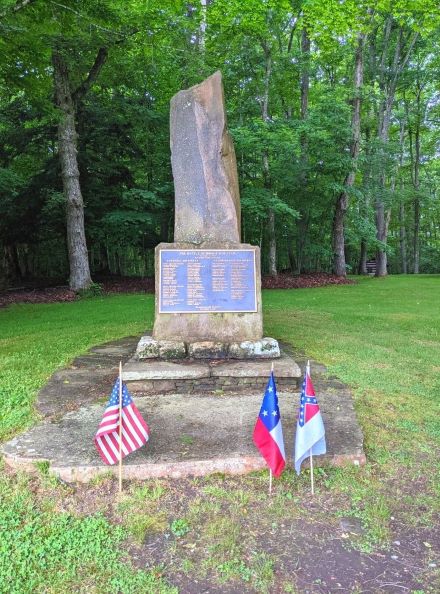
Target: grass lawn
{"points": [[381, 336]]}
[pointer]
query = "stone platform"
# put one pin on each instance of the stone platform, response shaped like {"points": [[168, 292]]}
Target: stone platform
{"points": [[192, 376], [191, 434]]}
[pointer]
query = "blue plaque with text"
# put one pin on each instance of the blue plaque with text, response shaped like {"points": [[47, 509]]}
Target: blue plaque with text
{"points": [[196, 281]]}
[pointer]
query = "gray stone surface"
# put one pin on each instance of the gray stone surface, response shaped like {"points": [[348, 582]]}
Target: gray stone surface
{"points": [[204, 166], [285, 367], [208, 350], [149, 348], [163, 370], [266, 348], [88, 378], [217, 327], [190, 434]]}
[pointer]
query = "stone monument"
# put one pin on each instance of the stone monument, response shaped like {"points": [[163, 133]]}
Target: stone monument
{"points": [[208, 285]]}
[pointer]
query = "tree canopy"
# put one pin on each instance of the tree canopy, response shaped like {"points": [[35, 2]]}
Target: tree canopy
{"points": [[333, 107]]}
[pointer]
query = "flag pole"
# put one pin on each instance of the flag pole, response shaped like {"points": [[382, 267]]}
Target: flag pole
{"points": [[312, 482], [120, 426], [270, 469]]}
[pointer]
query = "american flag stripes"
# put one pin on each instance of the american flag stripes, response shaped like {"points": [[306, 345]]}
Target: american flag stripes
{"points": [[135, 432]]}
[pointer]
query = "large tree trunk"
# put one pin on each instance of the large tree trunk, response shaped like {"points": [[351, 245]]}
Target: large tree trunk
{"points": [[417, 189], [338, 239], [388, 79], [303, 221], [362, 268], [67, 147], [402, 238], [266, 169], [66, 100]]}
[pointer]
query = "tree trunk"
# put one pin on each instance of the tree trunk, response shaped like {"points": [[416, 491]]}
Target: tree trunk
{"points": [[417, 189], [66, 100], [266, 170], [362, 268], [67, 142], [388, 79], [402, 228], [338, 239], [303, 221], [402, 238], [272, 244]]}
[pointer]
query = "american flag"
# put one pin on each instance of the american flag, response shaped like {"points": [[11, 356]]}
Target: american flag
{"points": [[135, 432]]}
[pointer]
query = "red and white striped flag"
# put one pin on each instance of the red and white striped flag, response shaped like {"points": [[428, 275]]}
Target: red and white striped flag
{"points": [[135, 431]]}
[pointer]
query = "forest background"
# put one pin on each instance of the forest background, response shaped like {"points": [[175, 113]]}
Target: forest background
{"points": [[334, 107]]}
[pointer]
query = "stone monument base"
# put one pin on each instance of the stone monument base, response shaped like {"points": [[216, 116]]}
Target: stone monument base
{"points": [[150, 348], [191, 434], [202, 374]]}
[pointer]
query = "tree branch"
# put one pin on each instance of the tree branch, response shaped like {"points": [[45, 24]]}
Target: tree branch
{"points": [[17, 6], [83, 88]]}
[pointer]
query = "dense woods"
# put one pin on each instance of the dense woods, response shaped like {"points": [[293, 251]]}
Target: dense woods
{"points": [[334, 108]]}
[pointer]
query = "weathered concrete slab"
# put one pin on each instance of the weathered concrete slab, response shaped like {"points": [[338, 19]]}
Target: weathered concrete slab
{"points": [[190, 434], [164, 370], [88, 378], [284, 367], [201, 376]]}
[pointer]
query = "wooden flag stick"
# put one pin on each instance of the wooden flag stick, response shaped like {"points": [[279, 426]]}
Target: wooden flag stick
{"points": [[120, 426], [311, 473], [270, 469], [312, 482]]}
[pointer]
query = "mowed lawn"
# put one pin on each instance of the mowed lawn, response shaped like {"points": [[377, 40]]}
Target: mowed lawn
{"points": [[381, 336]]}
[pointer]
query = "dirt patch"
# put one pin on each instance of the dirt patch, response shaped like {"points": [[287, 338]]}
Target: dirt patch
{"points": [[239, 539], [38, 294], [286, 280]]}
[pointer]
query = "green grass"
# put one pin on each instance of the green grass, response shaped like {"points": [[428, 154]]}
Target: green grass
{"points": [[381, 336], [35, 340], [42, 550]]}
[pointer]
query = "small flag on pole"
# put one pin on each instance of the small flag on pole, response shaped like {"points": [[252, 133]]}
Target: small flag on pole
{"points": [[310, 432], [268, 432], [135, 431]]}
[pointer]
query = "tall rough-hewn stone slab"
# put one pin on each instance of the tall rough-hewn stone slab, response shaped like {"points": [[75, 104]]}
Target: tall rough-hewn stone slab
{"points": [[196, 301], [204, 167]]}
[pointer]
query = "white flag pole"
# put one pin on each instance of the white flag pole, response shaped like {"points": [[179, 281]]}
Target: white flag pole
{"points": [[312, 482], [270, 469], [120, 426]]}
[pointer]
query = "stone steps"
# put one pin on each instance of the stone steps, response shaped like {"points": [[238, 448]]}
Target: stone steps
{"points": [[190, 376]]}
